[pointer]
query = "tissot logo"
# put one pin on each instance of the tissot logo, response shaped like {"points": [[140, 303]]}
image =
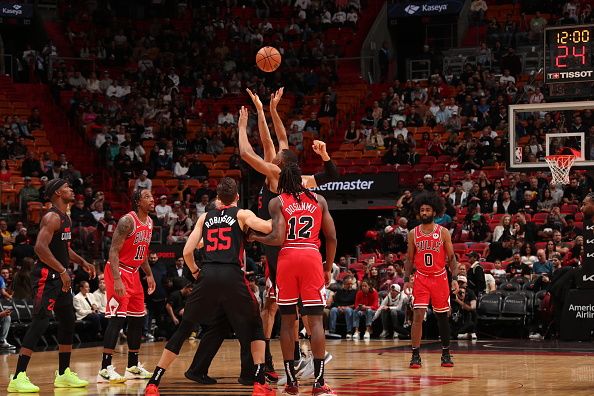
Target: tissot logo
{"points": [[574, 74], [411, 9]]}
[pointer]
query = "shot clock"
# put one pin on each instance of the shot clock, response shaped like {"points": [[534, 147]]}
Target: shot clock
{"points": [[568, 54]]}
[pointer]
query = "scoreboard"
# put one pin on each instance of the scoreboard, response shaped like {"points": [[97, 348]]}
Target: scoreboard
{"points": [[568, 54]]}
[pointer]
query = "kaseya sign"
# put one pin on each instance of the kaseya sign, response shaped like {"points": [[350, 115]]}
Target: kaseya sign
{"points": [[8, 10], [361, 185], [404, 9]]}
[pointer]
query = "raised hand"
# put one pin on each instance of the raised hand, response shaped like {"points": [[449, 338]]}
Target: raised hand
{"points": [[255, 99], [319, 148], [243, 117], [276, 97]]}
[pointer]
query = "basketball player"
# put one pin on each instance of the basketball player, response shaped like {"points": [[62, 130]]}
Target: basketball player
{"points": [[51, 291], [125, 295], [297, 217], [270, 167], [221, 284], [429, 245]]}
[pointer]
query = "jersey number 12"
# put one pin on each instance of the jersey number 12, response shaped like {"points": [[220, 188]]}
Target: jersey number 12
{"points": [[306, 222]]}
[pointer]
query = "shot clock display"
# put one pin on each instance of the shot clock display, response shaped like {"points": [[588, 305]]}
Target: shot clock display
{"points": [[568, 54]]}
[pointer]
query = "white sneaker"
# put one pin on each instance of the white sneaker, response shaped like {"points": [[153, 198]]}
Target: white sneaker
{"points": [[395, 336], [473, 336], [6, 345], [110, 375], [302, 365], [137, 372], [535, 336], [349, 336], [384, 334], [308, 370], [367, 336], [327, 357], [356, 335], [463, 336]]}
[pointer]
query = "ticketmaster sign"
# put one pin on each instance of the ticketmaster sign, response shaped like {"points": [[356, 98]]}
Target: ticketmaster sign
{"points": [[361, 185], [8, 10], [417, 8]]}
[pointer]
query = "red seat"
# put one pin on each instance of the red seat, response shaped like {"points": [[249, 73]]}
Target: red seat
{"points": [[568, 209], [369, 169], [344, 162], [386, 169], [361, 162], [353, 170]]}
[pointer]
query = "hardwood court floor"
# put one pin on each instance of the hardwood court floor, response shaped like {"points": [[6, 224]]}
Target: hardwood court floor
{"points": [[373, 368]]}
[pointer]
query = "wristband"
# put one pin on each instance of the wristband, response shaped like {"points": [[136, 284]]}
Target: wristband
{"points": [[197, 270], [63, 272]]}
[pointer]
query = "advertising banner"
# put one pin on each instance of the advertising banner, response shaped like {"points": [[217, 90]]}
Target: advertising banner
{"points": [[8, 10], [416, 8], [360, 186]]}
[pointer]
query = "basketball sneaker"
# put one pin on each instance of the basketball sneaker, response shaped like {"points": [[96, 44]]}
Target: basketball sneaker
{"points": [[322, 390], [262, 390], [415, 361], [137, 372], [291, 389], [270, 374], [110, 375], [446, 359], [151, 390], [21, 384], [69, 380]]}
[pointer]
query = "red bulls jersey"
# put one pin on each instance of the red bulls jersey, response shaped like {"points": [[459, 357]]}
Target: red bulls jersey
{"points": [[430, 254], [303, 219], [136, 245]]}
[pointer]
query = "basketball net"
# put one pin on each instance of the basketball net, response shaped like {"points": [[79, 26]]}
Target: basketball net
{"points": [[560, 166]]}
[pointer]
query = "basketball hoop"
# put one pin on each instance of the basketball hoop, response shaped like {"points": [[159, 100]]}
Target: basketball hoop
{"points": [[560, 166]]}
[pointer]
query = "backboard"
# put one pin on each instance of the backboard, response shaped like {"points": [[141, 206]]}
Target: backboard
{"points": [[538, 130]]}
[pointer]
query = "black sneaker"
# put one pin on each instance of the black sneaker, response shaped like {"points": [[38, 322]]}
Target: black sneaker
{"points": [[446, 360], [201, 379], [270, 374], [415, 361]]}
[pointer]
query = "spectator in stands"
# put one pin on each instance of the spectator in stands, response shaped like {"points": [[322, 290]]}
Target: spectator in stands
{"points": [[479, 229], [179, 274], [296, 138], [390, 277], [459, 197], [163, 210], [18, 149], [313, 124], [478, 8], [31, 165], [5, 172], [464, 318], [517, 268], [34, 121], [205, 189], [28, 193], [175, 307], [7, 239], [527, 251], [343, 304], [372, 277], [366, 304], [500, 250], [143, 182], [87, 308], [393, 313], [106, 228], [5, 290], [201, 206], [181, 168], [476, 275], [570, 232], [328, 107], [352, 135], [503, 228], [225, 118], [542, 265], [100, 295], [181, 227], [5, 321], [22, 250]]}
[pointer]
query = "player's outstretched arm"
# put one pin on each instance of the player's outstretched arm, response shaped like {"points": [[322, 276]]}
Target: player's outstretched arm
{"points": [[449, 248], [249, 218], [277, 235], [267, 143], [192, 243], [123, 229], [330, 172], [279, 127], [50, 223], [329, 231], [247, 153]]}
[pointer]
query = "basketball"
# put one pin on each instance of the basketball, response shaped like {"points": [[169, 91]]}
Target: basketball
{"points": [[268, 59]]}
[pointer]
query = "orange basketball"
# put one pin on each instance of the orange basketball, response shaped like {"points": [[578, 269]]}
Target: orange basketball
{"points": [[268, 59]]}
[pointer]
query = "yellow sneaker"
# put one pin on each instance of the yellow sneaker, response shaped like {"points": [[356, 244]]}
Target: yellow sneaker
{"points": [[69, 380], [21, 384]]}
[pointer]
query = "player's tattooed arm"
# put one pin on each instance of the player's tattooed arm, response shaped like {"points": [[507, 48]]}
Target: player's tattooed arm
{"points": [[449, 248], [123, 229], [279, 127], [267, 143], [329, 231], [192, 243], [247, 153], [277, 235]]}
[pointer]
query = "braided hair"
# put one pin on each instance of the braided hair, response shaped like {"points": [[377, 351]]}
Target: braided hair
{"points": [[136, 197], [289, 182]]}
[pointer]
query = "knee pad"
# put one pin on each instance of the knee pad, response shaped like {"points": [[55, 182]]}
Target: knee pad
{"points": [[114, 325], [181, 334], [135, 325], [288, 309], [35, 330]]}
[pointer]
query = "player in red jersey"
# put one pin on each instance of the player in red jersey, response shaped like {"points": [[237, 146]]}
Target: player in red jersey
{"points": [[429, 246], [125, 295], [297, 217]]}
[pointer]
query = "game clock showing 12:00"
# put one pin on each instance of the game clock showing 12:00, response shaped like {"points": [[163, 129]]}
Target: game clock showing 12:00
{"points": [[568, 54]]}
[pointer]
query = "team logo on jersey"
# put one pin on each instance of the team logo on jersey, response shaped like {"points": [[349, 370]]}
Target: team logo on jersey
{"points": [[143, 236], [435, 236], [66, 235]]}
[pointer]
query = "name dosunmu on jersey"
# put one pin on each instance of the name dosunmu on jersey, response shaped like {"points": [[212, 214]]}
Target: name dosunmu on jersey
{"points": [[298, 206]]}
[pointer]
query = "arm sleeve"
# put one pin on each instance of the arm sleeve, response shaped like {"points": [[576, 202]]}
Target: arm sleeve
{"points": [[330, 173]]}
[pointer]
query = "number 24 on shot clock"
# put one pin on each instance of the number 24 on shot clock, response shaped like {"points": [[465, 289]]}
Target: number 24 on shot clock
{"points": [[568, 53]]}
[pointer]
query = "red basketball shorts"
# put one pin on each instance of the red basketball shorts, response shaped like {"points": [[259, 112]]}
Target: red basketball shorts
{"points": [[432, 289], [300, 276], [130, 304]]}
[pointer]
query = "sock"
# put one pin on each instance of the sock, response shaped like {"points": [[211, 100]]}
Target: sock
{"points": [[64, 361], [132, 358], [157, 375], [318, 372], [259, 373], [445, 350], [415, 351], [290, 371], [297, 351], [22, 364], [106, 361], [267, 355]]}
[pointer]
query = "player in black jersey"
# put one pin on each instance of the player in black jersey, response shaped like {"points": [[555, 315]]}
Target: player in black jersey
{"points": [[221, 284], [270, 166], [51, 290]]}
